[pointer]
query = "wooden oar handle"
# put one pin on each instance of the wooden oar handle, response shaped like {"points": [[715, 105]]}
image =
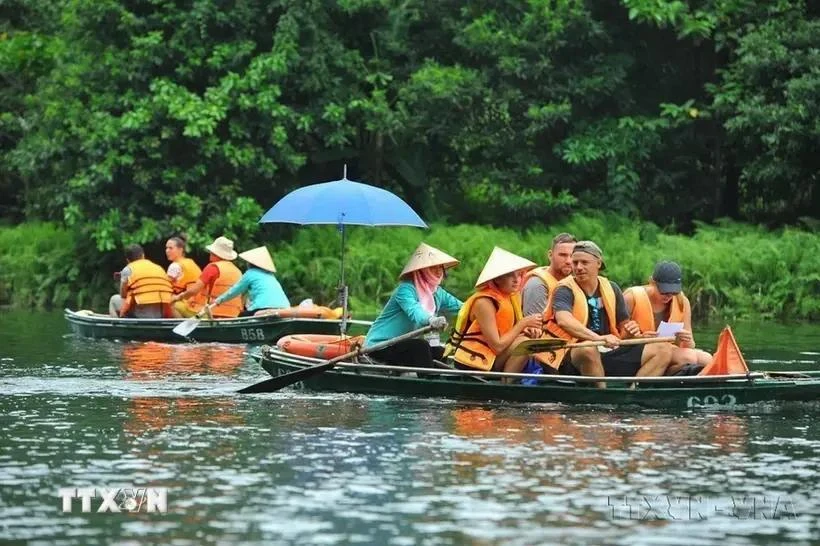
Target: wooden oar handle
{"points": [[630, 341]]}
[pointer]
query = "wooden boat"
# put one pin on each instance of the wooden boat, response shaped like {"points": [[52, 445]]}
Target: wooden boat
{"points": [[266, 329], [668, 393]]}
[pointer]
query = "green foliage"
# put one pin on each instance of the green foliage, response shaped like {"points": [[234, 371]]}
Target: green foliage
{"points": [[731, 270], [43, 266], [769, 99], [130, 121]]}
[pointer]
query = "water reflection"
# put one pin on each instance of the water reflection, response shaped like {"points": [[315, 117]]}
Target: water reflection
{"points": [[147, 360], [157, 361]]}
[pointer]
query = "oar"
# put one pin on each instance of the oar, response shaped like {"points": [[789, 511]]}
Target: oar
{"points": [[187, 326], [280, 382], [531, 346]]}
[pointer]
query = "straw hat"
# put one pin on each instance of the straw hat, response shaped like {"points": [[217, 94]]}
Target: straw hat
{"points": [[260, 257], [500, 263], [427, 256], [222, 247]]}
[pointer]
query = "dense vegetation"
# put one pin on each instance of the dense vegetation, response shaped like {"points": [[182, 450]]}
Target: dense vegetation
{"points": [[129, 120], [730, 271]]}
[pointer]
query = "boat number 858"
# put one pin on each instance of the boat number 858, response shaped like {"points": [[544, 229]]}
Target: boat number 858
{"points": [[252, 334], [710, 400]]}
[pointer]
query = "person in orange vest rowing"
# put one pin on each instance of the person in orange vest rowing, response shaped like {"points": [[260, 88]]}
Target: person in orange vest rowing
{"points": [[145, 291], [587, 306], [183, 273], [491, 324], [663, 300], [217, 277], [540, 284]]}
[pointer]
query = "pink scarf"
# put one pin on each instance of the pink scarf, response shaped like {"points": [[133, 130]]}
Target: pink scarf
{"points": [[426, 282]]}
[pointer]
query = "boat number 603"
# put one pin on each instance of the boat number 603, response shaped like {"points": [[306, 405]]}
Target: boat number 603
{"points": [[710, 400], [252, 334]]}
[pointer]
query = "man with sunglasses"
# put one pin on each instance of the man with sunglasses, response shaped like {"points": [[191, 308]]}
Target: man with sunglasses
{"points": [[663, 300], [589, 307]]}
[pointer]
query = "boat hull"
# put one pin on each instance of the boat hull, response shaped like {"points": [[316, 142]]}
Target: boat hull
{"points": [[672, 396], [239, 330]]}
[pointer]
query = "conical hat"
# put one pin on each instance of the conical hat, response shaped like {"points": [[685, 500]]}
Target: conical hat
{"points": [[260, 257], [427, 256], [500, 263]]}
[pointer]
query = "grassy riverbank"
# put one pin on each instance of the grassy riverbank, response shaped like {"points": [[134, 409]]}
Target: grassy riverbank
{"points": [[731, 271]]}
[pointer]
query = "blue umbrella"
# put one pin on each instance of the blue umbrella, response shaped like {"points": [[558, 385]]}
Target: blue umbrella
{"points": [[343, 202]]}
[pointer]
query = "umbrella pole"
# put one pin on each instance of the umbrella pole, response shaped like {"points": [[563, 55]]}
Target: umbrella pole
{"points": [[343, 287]]}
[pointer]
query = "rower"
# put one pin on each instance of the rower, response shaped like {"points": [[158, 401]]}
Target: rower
{"points": [[491, 324], [590, 307]]}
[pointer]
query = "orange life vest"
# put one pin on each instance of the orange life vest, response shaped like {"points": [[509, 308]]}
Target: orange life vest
{"points": [[190, 274], [467, 344], [551, 283], [229, 275], [148, 284], [546, 277], [580, 310], [644, 315]]}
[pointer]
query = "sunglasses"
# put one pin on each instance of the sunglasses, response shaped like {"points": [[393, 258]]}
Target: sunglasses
{"points": [[669, 293]]}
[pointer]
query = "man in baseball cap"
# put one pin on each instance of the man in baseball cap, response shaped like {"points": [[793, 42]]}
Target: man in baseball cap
{"points": [[662, 299], [589, 307]]}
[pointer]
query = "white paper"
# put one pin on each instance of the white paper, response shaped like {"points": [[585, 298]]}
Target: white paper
{"points": [[669, 329]]}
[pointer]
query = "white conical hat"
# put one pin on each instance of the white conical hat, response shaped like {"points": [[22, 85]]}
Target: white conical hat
{"points": [[500, 263], [260, 257], [427, 256]]}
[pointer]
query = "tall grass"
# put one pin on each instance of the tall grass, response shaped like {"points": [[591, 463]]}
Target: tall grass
{"points": [[43, 266], [731, 271]]}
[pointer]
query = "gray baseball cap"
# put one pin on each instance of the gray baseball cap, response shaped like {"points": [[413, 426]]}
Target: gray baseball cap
{"points": [[592, 249], [669, 277]]}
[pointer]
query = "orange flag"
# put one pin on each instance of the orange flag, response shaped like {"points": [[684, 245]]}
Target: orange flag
{"points": [[728, 358]]}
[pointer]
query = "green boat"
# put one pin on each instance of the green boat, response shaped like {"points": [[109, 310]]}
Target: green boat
{"points": [[667, 393], [266, 329]]}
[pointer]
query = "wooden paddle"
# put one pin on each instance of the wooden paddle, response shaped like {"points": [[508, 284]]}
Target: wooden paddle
{"points": [[280, 382], [531, 346]]}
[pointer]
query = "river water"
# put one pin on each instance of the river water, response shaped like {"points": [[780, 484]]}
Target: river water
{"points": [[301, 468]]}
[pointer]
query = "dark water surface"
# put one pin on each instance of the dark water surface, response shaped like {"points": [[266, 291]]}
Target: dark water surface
{"points": [[297, 468]]}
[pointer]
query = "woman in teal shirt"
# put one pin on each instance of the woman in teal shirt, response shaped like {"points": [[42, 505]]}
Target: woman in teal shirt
{"points": [[416, 302], [258, 284]]}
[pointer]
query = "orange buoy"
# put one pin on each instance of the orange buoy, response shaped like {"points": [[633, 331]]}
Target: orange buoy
{"points": [[319, 345], [312, 311]]}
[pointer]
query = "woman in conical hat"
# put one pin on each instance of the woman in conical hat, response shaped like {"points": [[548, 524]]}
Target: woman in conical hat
{"points": [[258, 284], [416, 302], [491, 325]]}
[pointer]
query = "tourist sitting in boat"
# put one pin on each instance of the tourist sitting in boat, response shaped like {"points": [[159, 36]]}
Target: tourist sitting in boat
{"points": [[145, 291], [663, 300], [183, 272], [491, 324], [418, 300], [589, 307], [540, 284], [217, 277], [258, 284]]}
